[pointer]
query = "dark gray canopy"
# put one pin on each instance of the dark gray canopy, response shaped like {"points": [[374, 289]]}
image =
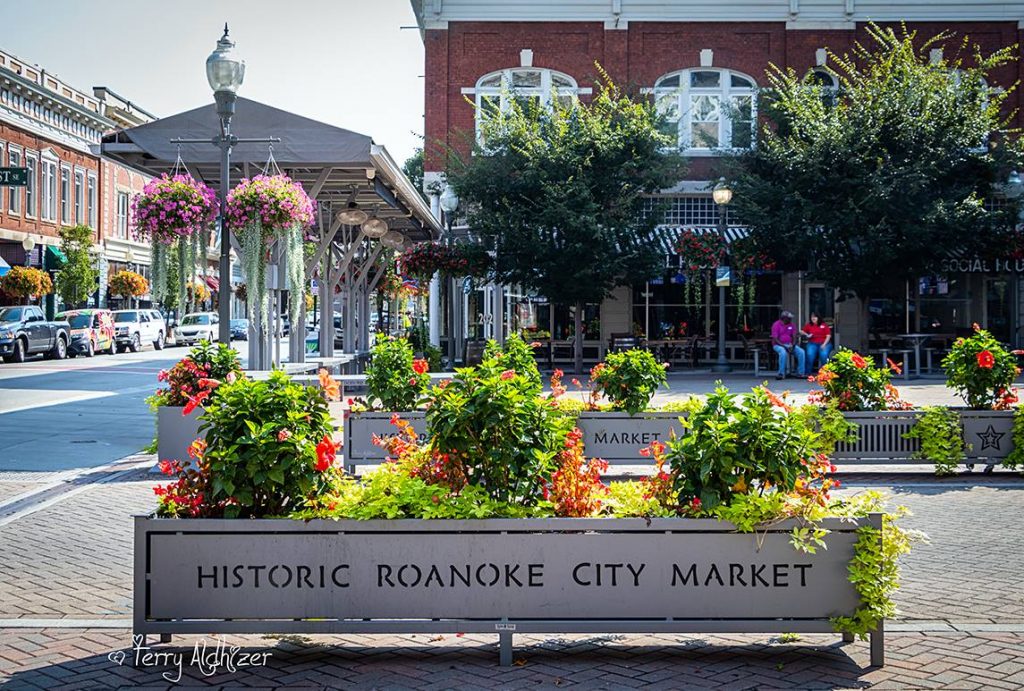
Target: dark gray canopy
{"points": [[334, 165]]}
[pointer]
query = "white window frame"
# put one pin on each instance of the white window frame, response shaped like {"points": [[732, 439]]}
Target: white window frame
{"points": [[79, 196], [65, 193], [32, 188], [14, 193], [92, 197], [725, 92], [121, 219], [505, 89], [49, 165]]}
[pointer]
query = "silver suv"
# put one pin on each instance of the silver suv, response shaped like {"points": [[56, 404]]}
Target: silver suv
{"points": [[135, 328]]}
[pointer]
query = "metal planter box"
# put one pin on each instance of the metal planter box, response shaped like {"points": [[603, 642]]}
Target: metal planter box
{"points": [[988, 434], [502, 576], [360, 429], [175, 432]]}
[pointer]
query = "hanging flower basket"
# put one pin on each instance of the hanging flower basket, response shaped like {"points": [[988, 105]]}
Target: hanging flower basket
{"points": [[262, 210], [699, 252], [748, 262], [128, 284], [425, 259], [26, 281], [174, 213]]}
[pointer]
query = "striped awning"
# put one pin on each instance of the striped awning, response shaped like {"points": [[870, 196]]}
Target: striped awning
{"points": [[667, 236], [4, 266]]}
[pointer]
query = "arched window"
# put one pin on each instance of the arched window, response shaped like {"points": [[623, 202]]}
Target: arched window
{"points": [[827, 82], [493, 91], [708, 108]]}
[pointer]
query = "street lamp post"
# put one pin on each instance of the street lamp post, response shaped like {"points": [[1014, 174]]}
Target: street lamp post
{"points": [[225, 72], [28, 244], [722, 196], [449, 204], [129, 258]]}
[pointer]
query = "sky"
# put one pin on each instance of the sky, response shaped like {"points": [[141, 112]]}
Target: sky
{"points": [[345, 62]]}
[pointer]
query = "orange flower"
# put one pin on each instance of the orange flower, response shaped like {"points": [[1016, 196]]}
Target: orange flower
{"points": [[858, 361], [986, 360], [420, 366], [325, 454], [894, 367], [508, 374], [331, 388]]}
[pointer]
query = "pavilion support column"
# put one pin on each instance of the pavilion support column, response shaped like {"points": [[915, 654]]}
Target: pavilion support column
{"points": [[326, 288], [434, 310]]}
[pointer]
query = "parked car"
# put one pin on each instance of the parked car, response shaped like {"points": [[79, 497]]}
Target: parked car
{"points": [[195, 327], [240, 329], [135, 328], [92, 331], [24, 331]]}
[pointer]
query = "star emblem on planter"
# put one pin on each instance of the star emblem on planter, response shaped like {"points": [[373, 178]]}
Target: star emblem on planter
{"points": [[990, 438]]}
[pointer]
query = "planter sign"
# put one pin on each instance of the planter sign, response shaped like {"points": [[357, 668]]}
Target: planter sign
{"points": [[619, 437], [615, 437], [498, 575], [175, 432]]}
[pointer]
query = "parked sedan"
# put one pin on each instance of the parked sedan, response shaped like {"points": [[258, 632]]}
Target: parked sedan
{"points": [[92, 331], [239, 329], [199, 326]]}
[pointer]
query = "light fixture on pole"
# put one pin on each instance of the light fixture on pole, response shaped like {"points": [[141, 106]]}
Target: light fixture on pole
{"points": [[449, 204], [225, 72], [722, 196], [393, 240], [28, 244], [129, 258]]}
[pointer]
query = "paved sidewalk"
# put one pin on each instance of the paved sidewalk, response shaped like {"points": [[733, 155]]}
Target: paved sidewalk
{"points": [[65, 606]]}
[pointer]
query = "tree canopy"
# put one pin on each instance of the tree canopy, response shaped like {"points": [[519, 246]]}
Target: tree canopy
{"points": [[559, 190], [882, 178], [77, 277]]}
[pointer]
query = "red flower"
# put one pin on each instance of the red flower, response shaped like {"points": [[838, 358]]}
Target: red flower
{"points": [[894, 367], [508, 374], [326, 452], [195, 401], [166, 468], [420, 366], [986, 360], [858, 361], [283, 435], [206, 383]]}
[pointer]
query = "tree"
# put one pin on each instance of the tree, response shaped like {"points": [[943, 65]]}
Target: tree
{"points": [[559, 193], [77, 277], [413, 169], [884, 178]]}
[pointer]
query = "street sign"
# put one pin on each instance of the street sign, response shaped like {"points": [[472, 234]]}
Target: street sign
{"points": [[14, 177], [722, 277], [467, 285]]}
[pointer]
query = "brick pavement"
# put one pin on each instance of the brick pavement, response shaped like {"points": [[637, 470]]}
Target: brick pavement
{"points": [[11, 489], [73, 560]]}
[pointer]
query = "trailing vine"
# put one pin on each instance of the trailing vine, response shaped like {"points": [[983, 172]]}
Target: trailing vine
{"points": [[1015, 458], [941, 436]]}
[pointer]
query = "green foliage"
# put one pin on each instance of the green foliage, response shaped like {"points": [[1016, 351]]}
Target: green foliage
{"points": [[413, 169], [832, 427], [1015, 458], [875, 572], [942, 440], [629, 379], [78, 277], [729, 448], [851, 382], [389, 493], [204, 361], [516, 355], [982, 371], [688, 406], [634, 500], [559, 193], [878, 181], [491, 420], [262, 439], [391, 380]]}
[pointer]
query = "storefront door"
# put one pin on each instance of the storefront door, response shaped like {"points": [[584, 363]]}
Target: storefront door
{"points": [[999, 308]]}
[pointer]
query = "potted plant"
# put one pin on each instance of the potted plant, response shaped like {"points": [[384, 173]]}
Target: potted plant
{"points": [[500, 523], [174, 214], [264, 210], [188, 384]]}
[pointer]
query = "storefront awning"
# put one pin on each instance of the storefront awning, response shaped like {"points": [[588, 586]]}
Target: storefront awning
{"points": [[54, 257], [212, 282], [667, 236], [4, 266]]}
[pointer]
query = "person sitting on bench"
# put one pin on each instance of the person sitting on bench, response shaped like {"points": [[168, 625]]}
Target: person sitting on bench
{"points": [[784, 343]]}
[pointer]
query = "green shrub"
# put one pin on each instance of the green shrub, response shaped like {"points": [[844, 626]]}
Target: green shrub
{"points": [[394, 379], [491, 422], [268, 446], [629, 379], [515, 355], [941, 436], [982, 371]]}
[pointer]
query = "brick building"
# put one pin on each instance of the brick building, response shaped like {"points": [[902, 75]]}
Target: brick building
{"points": [[702, 63], [54, 130]]}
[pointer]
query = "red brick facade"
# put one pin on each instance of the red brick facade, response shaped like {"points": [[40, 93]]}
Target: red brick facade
{"points": [[635, 57]]}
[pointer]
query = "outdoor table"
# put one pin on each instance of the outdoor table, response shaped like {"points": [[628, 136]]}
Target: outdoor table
{"points": [[916, 340]]}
